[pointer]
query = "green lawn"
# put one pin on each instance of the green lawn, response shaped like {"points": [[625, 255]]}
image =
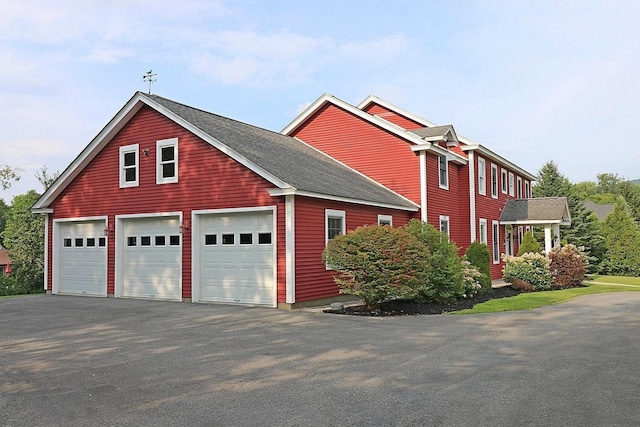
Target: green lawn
{"points": [[531, 300]]}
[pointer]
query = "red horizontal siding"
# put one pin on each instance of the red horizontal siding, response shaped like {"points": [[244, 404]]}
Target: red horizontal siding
{"points": [[392, 116], [369, 149], [208, 179], [313, 280]]}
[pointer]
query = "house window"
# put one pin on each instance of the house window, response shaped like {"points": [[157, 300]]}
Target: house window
{"points": [[483, 231], [511, 184], [495, 236], [519, 188], [520, 235], [444, 225], [335, 223], [527, 193], [167, 161], [494, 181], [503, 173], [129, 172], [443, 172], [482, 176], [385, 220], [264, 238]]}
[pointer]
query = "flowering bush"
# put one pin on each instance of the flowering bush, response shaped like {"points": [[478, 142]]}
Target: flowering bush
{"points": [[531, 268], [568, 265], [471, 277]]}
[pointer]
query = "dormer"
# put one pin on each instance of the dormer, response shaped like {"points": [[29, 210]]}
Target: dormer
{"points": [[445, 136]]}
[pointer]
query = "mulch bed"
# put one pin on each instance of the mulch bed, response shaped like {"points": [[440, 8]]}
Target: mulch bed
{"points": [[407, 308]]}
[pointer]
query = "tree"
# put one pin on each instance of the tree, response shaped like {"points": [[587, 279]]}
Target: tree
{"points": [[4, 212], [24, 238], [529, 245], [45, 178], [622, 237], [551, 183], [7, 176]]}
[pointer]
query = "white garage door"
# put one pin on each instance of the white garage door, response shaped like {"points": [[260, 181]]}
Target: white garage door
{"points": [[152, 258], [237, 258], [83, 258]]}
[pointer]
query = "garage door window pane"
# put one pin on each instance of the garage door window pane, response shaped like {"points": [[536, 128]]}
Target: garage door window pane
{"points": [[246, 238], [91, 242], [132, 241], [79, 243], [210, 239], [264, 238], [174, 240], [227, 239], [102, 242], [67, 243], [160, 241], [145, 241]]}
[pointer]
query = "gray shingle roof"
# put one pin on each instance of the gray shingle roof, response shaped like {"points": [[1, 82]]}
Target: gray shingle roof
{"points": [[602, 210], [537, 210], [287, 158], [432, 131]]}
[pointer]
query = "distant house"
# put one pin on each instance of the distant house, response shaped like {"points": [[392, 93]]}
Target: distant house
{"points": [[5, 262], [601, 210], [172, 202]]}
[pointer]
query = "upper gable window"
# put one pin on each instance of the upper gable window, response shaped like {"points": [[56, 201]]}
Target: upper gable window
{"points": [[443, 172], [167, 161], [129, 161], [482, 176]]}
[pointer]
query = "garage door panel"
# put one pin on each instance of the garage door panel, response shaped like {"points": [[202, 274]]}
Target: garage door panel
{"points": [[152, 262], [82, 261], [242, 272]]}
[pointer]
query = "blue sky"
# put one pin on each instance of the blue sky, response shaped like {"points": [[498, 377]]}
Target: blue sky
{"points": [[532, 81]]}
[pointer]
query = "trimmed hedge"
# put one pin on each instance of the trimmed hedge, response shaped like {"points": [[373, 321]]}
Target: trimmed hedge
{"points": [[478, 255]]}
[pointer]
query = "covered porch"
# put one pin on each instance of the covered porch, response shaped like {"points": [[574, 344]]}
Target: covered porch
{"points": [[547, 212]]}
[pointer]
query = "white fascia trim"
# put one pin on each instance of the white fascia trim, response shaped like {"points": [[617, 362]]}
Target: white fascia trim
{"points": [[376, 121], [451, 156], [536, 222], [374, 99], [290, 249], [46, 252], [215, 143], [472, 196], [498, 158], [42, 211], [423, 186], [90, 151], [293, 191]]}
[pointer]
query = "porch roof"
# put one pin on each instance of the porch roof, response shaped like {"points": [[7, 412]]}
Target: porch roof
{"points": [[536, 211]]}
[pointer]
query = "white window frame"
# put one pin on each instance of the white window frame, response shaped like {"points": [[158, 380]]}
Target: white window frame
{"points": [[503, 179], [332, 213], [483, 231], [495, 242], [173, 142], [511, 183], [445, 185], [126, 149], [519, 188], [444, 219], [527, 190], [520, 235], [482, 176], [385, 220], [494, 180]]}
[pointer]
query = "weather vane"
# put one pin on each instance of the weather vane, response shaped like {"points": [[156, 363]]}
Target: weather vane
{"points": [[149, 77]]}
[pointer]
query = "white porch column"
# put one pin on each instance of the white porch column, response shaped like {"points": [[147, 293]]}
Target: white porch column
{"points": [[423, 185], [556, 235], [547, 238]]}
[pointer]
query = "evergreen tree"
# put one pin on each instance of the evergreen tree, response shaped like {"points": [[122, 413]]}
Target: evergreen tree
{"points": [[622, 235]]}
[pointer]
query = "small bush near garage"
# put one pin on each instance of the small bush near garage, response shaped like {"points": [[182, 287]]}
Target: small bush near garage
{"points": [[478, 255], [568, 265], [378, 263], [531, 271], [445, 280], [13, 285], [529, 244]]}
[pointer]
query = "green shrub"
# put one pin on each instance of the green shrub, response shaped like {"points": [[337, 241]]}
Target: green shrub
{"points": [[13, 285], [529, 244], [444, 282], [378, 263], [478, 255], [532, 268], [568, 265]]}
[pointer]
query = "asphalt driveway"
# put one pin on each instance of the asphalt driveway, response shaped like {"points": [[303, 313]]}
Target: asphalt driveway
{"points": [[78, 361]]}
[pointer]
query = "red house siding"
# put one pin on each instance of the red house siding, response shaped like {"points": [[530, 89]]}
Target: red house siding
{"points": [[364, 147], [313, 280], [208, 179], [392, 116]]}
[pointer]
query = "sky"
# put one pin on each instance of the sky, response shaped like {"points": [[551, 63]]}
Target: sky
{"points": [[533, 81]]}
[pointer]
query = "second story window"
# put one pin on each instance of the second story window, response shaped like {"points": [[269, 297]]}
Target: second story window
{"points": [[494, 181], [443, 172], [482, 176], [167, 161], [129, 171]]}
